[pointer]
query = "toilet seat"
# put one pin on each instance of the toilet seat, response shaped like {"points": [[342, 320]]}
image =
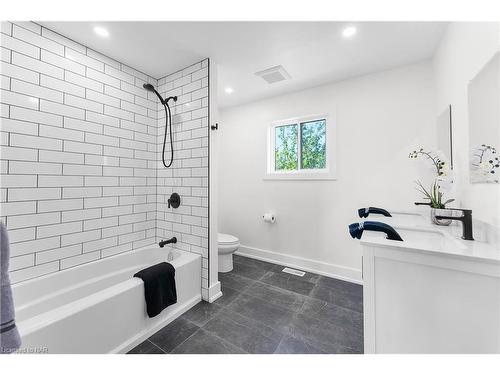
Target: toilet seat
{"points": [[227, 239], [226, 245]]}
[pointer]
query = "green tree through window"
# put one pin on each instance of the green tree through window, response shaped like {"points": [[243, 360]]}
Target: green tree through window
{"points": [[286, 147], [312, 143]]}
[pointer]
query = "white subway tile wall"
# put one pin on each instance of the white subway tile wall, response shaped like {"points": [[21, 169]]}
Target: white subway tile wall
{"points": [[188, 175], [80, 153]]}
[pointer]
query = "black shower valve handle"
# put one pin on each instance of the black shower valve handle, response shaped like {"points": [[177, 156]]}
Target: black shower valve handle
{"points": [[215, 127], [174, 200]]}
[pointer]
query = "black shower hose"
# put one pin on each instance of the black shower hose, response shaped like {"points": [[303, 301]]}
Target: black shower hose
{"points": [[168, 120]]}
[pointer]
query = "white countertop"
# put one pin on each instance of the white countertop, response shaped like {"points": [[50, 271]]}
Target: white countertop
{"points": [[430, 238]]}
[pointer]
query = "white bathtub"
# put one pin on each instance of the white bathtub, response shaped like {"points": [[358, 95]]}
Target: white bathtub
{"points": [[99, 307]]}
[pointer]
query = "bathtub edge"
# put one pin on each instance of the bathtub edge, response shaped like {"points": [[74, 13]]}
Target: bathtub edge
{"points": [[143, 335]]}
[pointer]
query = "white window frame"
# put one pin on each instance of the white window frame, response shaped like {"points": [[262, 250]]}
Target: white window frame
{"points": [[328, 173]]}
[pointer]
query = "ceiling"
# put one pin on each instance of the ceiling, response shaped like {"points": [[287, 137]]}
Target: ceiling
{"points": [[313, 53]]}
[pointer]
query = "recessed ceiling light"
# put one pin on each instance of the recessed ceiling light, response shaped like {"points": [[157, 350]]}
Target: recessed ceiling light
{"points": [[101, 31], [349, 32], [228, 90]]}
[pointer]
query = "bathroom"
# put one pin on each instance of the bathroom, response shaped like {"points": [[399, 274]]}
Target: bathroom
{"points": [[323, 188]]}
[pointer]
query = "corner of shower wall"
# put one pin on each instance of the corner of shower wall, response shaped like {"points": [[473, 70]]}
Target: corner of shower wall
{"points": [[189, 174]]}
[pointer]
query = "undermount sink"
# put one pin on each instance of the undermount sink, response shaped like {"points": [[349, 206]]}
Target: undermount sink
{"points": [[402, 218], [419, 238], [429, 239]]}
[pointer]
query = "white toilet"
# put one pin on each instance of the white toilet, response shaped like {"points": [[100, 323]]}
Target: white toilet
{"points": [[227, 245]]}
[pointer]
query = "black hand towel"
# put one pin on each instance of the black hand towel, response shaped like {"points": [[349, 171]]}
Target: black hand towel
{"points": [[159, 287]]}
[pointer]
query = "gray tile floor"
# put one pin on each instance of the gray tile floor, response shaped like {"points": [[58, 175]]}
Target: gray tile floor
{"points": [[264, 310]]}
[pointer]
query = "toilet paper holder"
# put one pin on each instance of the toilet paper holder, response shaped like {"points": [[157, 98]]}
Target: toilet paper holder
{"points": [[269, 217]]}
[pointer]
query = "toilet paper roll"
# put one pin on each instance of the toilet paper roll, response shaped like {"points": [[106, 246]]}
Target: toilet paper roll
{"points": [[269, 217]]}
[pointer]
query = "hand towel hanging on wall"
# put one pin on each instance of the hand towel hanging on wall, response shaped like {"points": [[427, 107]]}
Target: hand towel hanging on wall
{"points": [[9, 336], [159, 287]]}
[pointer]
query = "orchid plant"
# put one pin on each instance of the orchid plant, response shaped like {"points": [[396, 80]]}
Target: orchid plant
{"points": [[434, 195], [440, 165]]}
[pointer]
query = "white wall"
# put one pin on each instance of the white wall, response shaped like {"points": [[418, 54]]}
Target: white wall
{"points": [[379, 119], [465, 48]]}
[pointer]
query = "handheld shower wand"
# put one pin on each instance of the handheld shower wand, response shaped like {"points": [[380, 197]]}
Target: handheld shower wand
{"points": [[168, 121]]}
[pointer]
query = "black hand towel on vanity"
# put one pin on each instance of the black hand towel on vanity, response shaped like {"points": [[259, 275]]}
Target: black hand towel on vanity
{"points": [[159, 287]]}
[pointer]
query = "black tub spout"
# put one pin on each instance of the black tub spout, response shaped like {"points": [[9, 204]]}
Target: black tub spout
{"points": [[166, 242]]}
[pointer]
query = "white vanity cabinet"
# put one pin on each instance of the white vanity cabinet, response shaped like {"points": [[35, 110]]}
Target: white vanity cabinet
{"points": [[430, 294]]}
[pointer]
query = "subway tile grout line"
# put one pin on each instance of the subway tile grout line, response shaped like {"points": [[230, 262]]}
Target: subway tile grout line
{"points": [[112, 127], [105, 84], [64, 47]]}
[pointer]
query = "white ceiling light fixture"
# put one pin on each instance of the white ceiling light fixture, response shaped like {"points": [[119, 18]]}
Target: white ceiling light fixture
{"points": [[101, 31], [349, 31], [229, 90]]}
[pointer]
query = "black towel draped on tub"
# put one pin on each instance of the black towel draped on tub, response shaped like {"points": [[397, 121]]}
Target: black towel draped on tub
{"points": [[159, 287]]}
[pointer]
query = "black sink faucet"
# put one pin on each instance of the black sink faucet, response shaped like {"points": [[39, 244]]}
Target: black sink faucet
{"points": [[364, 212], [466, 220], [423, 203], [356, 230], [166, 242]]}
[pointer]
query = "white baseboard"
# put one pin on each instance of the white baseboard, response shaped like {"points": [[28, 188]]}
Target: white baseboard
{"points": [[214, 292], [309, 265]]}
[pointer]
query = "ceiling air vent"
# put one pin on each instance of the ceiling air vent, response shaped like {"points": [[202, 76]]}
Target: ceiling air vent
{"points": [[274, 74]]}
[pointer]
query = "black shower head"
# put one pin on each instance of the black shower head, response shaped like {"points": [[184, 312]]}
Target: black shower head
{"points": [[149, 87]]}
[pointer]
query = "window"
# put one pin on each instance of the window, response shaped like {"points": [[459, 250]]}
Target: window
{"points": [[301, 148], [285, 149], [313, 144]]}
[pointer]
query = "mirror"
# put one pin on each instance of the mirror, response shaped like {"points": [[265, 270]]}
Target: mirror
{"points": [[444, 134], [484, 123]]}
